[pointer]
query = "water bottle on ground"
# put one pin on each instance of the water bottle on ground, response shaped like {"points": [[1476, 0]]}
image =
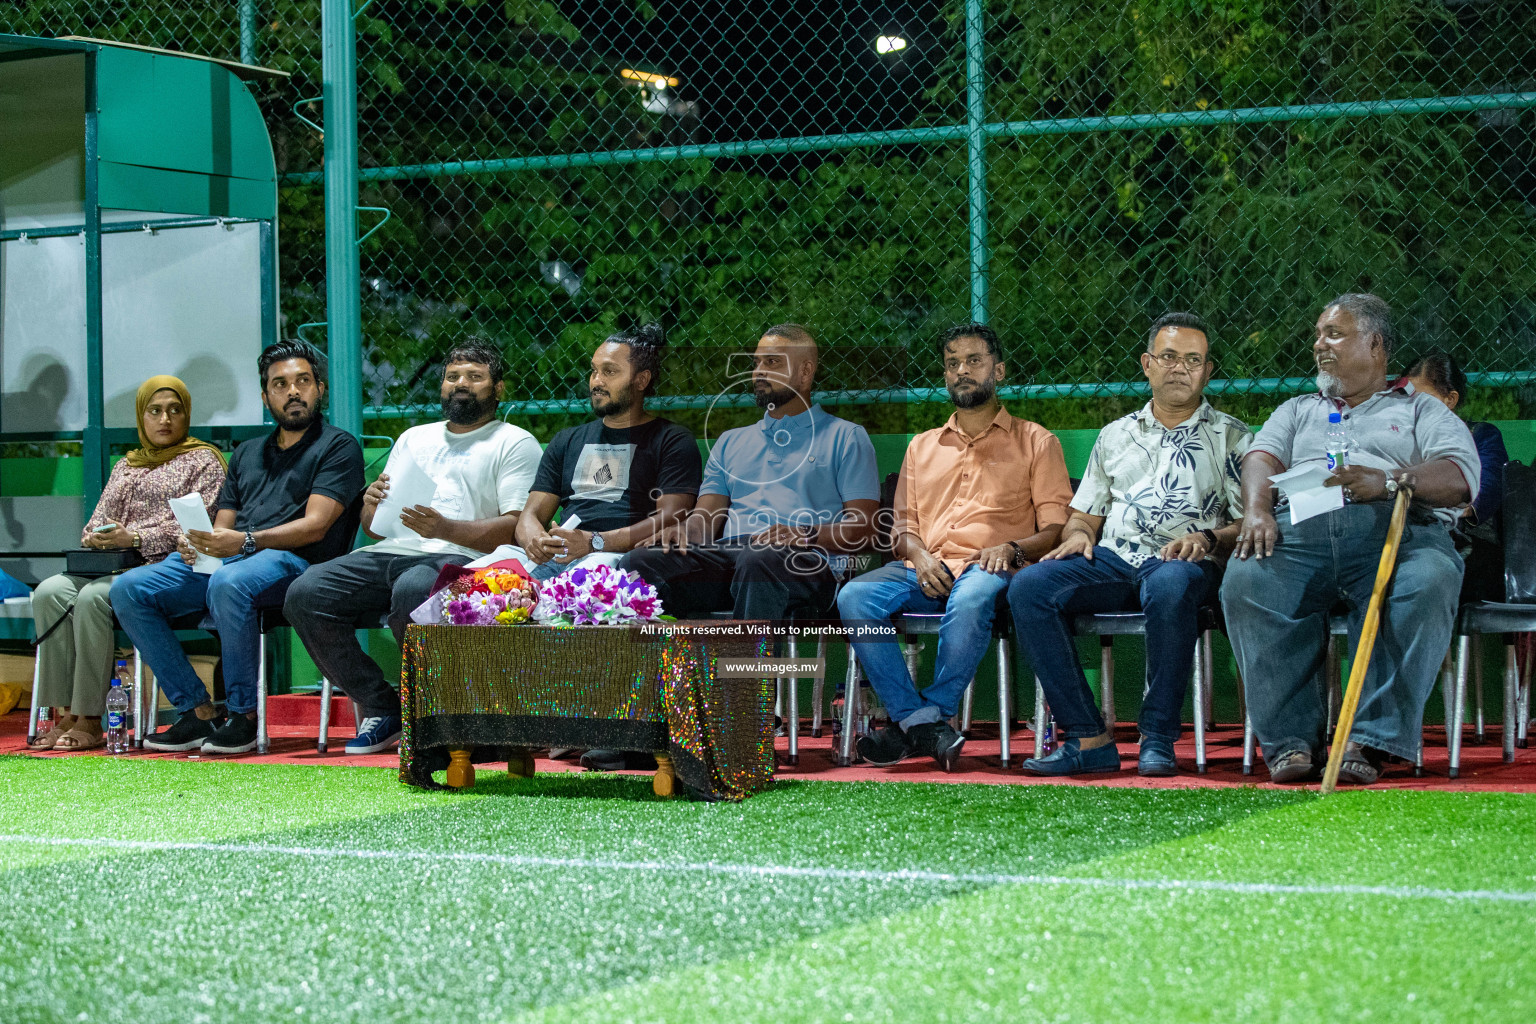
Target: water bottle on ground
{"points": [[44, 719], [839, 705], [1337, 444], [117, 718]]}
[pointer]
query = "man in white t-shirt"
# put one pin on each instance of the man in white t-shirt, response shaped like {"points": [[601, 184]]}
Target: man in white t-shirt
{"points": [[477, 470]]}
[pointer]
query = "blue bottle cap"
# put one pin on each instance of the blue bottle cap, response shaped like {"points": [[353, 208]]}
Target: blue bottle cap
{"points": [[1333, 417]]}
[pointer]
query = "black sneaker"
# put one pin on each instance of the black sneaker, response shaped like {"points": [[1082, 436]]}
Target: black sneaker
{"points": [[939, 741], [236, 736], [188, 733], [618, 761], [885, 747]]}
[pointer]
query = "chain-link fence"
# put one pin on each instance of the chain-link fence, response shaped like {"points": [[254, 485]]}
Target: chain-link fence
{"points": [[879, 171]]}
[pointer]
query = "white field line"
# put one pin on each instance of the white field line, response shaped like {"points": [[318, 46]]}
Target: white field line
{"points": [[513, 860]]}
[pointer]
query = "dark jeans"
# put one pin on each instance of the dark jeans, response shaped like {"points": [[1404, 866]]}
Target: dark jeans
{"points": [[1277, 614], [331, 601], [754, 582], [1045, 595]]}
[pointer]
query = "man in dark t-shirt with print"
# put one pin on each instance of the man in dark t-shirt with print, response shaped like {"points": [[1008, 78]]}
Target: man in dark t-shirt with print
{"points": [[290, 499], [617, 480]]}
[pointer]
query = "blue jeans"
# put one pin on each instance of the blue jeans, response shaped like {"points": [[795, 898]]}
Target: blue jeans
{"points": [[964, 633], [1277, 614], [1045, 595], [148, 598]]}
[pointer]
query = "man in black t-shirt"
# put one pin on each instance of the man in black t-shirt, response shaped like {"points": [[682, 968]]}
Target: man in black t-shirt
{"points": [[623, 477], [290, 499]]}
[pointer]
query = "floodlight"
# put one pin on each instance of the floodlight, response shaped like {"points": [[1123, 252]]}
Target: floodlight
{"points": [[890, 44]]}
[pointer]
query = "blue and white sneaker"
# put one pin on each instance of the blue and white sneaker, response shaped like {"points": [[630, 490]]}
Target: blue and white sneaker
{"points": [[378, 734]]}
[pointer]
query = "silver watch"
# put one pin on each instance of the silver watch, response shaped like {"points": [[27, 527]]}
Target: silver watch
{"points": [[597, 541], [249, 547], [1391, 484]]}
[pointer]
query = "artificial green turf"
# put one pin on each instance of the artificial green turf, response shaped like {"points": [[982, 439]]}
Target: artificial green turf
{"points": [[218, 935]]}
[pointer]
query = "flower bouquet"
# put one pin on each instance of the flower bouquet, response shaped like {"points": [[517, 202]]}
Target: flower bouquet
{"points": [[492, 596], [597, 596]]}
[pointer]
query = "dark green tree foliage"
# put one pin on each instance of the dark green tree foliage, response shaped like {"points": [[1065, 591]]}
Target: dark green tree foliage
{"points": [[1092, 234]]}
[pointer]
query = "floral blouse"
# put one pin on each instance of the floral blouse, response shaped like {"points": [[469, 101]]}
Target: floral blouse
{"points": [[1153, 485], [136, 498]]}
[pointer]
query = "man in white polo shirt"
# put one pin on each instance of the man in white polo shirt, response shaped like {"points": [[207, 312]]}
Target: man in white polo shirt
{"points": [[482, 469]]}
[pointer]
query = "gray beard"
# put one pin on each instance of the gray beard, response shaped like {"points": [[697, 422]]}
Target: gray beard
{"points": [[1329, 386]]}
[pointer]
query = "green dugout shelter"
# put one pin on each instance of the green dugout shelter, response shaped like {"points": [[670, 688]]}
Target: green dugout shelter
{"points": [[138, 235]]}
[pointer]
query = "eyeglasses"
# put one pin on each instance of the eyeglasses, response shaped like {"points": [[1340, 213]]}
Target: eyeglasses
{"points": [[1168, 360]]}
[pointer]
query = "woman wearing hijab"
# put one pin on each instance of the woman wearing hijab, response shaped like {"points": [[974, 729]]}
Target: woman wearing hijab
{"points": [[132, 513]]}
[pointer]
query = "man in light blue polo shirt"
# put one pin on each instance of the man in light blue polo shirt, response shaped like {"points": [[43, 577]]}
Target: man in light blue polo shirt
{"points": [[778, 498]]}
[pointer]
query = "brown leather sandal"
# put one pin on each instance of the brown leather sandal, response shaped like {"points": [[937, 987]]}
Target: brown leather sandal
{"points": [[82, 736], [46, 741]]}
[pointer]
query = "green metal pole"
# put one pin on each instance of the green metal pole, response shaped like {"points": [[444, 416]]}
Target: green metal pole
{"points": [[343, 306], [945, 133], [247, 31], [976, 154], [94, 442]]}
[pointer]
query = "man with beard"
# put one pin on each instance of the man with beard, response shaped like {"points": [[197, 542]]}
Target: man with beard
{"points": [[482, 468], [777, 498], [626, 476], [977, 498], [288, 501], [1159, 499], [1286, 577]]}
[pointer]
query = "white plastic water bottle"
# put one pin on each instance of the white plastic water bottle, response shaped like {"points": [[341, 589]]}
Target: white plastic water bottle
{"points": [[117, 717], [1336, 446]]}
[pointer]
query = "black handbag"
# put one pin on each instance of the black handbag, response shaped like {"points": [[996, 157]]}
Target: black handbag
{"points": [[93, 563]]}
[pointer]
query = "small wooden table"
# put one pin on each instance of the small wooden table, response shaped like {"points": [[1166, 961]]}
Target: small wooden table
{"points": [[473, 694]]}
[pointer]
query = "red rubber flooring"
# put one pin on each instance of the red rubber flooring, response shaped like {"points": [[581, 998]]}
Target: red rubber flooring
{"points": [[294, 727]]}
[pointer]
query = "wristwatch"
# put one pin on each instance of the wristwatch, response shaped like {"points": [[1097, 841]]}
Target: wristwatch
{"points": [[1391, 485], [597, 541], [249, 547], [1018, 552], [1210, 538]]}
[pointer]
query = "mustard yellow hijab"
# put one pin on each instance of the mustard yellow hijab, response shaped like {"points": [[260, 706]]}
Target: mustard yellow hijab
{"points": [[148, 455]]}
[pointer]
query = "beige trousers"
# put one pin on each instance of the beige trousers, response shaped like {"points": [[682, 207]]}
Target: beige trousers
{"points": [[76, 661]]}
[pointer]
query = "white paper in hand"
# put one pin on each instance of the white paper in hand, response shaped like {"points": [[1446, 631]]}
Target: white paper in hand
{"points": [[408, 485], [1308, 497], [192, 514]]}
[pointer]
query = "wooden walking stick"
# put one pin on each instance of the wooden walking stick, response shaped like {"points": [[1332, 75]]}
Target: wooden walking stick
{"points": [[1367, 641]]}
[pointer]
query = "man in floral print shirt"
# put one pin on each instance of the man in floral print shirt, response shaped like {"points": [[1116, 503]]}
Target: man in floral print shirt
{"points": [[1160, 498]]}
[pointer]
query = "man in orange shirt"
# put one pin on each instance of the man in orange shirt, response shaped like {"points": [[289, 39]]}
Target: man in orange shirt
{"points": [[978, 497]]}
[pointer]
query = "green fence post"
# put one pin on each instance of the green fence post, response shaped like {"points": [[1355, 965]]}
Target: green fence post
{"points": [[343, 305], [247, 31], [94, 446], [976, 154]]}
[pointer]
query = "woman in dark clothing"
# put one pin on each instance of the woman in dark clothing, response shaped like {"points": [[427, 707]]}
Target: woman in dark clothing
{"points": [[1477, 535]]}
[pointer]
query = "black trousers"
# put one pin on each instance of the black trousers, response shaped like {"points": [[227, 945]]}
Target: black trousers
{"points": [[331, 601], [753, 581]]}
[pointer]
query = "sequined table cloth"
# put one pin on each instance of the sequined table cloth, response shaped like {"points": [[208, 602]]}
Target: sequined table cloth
{"points": [[496, 691]]}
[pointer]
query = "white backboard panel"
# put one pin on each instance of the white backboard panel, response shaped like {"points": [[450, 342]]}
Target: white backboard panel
{"points": [[185, 301]]}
